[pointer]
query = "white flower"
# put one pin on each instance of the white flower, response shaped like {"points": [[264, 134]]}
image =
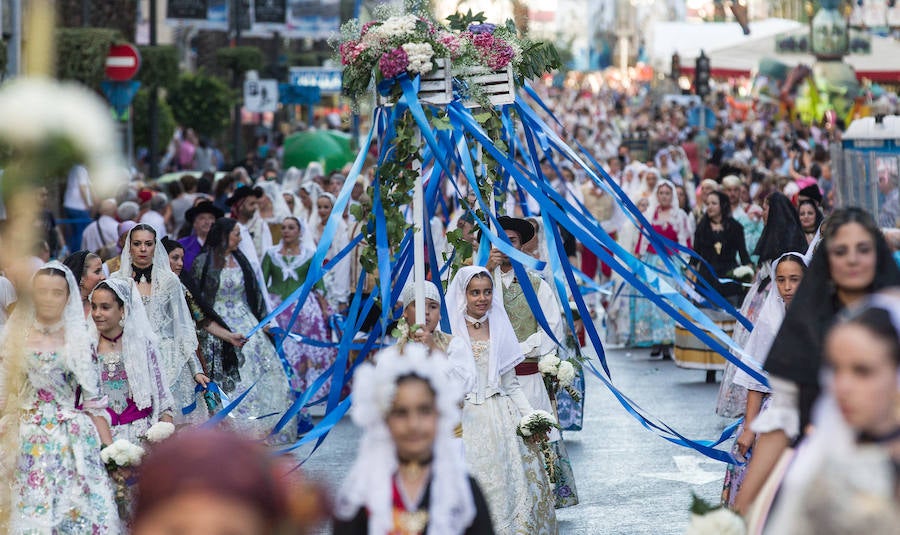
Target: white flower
{"points": [[122, 453], [719, 522], [566, 373], [741, 272], [394, 27], [35, 109], [419, 55], [159, 431], [549, 364], [538, 416]]}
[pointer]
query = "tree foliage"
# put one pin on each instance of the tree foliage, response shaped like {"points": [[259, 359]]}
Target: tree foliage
{"points": [[240, 58], [141, 110], [159, 66], [202, 102], [81, 53]]}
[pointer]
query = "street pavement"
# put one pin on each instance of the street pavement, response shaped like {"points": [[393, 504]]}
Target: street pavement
{"points": [[630, 481]]}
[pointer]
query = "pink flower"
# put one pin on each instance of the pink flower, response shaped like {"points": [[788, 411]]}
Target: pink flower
{"points": [[393, 62], [452, 43], [501, 55], [35, 479], [483, 41], [45, 396], [368, 26], [350, 51]]}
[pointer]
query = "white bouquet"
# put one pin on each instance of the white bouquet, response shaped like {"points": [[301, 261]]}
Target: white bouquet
{"points": [[742, 273], [121, 453], [159, 432], [536, 422], [709, 520], [558, 373]]}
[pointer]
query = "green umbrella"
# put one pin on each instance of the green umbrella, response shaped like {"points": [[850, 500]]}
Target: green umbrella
{"points": [[319, 146]]}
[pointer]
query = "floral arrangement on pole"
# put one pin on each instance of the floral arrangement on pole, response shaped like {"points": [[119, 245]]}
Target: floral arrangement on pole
{"points": [[534, 427]]}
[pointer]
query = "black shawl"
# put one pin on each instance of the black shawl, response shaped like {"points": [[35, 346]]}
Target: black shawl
{"points": [[782, 233], [796, 353]]}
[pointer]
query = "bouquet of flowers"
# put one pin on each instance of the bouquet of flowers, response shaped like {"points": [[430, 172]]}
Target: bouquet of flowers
{"points": [[742, 274], [558, 373], [121, 457], [403, 331], [535, 426], [159, 432], [397, 43], [710, 520]]}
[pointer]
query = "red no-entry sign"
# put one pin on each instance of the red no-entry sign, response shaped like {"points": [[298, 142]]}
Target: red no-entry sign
{"points": [[122, 63]]}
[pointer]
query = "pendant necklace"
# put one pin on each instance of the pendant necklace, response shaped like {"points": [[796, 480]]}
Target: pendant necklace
{"points": [[476, 322]]}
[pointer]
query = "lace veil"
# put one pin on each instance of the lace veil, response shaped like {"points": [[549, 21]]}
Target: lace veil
{"points": [[368, 485], [139, 353], [166, 309], [307, 250], [505, 349]]}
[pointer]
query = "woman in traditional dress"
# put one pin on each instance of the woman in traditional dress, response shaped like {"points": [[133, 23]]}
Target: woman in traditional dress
{"points": [[54, 480], [130, 374], [788, 270], [650, 326], [810, 218], [409, 477], [852, 261], [222, 341], [284, 270], [719, 240], [782, 233], [462, 366], [224, 277], [844, 477], [337, 280], [145, 261], [509, 470], [88, 270]]}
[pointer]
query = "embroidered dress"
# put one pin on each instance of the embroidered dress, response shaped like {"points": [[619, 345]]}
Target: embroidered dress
{"points": [[283, 275], [259, 364], [649, 324], [510, 473], [734, 474], [127, 421], [61, 485]]}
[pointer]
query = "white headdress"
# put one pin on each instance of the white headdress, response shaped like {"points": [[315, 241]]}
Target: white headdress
{"points": [[768, 322], [408, 295], [167, 309], [280, 208], [368, 485], [139, 348], [506, 352]]}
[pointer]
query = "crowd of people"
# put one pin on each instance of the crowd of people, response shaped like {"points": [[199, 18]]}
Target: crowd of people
{"points": [[142, 312]]}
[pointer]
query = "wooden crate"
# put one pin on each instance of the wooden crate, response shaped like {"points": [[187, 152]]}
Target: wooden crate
{"points": [[499, 86], [435, 87]]}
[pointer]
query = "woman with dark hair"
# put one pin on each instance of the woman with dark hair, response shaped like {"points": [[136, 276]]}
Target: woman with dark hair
{"points": [[781, 234], [223, 277], [719, 239], [145, 261], [88, 270], [284, 268], [810, 218], [844, 477], [852, 261]]}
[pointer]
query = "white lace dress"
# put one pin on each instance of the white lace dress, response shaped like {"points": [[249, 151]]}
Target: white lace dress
{"points": [[511, 474], [259, 364]]}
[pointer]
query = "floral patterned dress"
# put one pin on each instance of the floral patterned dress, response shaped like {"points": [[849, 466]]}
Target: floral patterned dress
{"points": [[61, 485], [258, 413], [510, 473]]}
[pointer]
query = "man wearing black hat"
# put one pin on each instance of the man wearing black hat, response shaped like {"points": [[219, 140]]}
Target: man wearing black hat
{"points": [[201, 216], [534, 342], [255, 232]]}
